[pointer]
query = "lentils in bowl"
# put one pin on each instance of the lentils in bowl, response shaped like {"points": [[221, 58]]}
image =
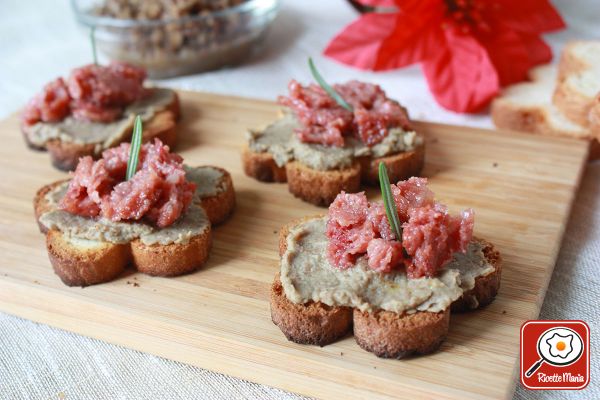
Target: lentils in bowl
{"points": [[177, 37]]}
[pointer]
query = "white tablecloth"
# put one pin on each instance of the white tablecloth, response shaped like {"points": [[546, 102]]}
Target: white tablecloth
{"points": [[39, 40]]}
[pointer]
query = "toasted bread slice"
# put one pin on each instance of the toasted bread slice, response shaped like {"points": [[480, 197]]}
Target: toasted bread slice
{"points": [[172, 259], [594, 118], [262, 166], [400, 166], [486, 286], [579, 80], [81, 262], [219, 205], [527, 107], [321, 187], [575, 96], [384, 333], [41, 204], [311, 323], [578, 56], [389, 335], [65, 155]]}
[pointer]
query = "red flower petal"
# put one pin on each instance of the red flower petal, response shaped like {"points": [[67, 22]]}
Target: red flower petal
{"points": [[531, 16], [461, 76], [386, 41], [359, 43], [378, 3], [538, 50], [508, 54], [414, 39]]}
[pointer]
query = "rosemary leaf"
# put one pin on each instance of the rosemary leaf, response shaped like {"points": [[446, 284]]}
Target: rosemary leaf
{"points": [[389, 203], [136, 145], [326, 87], [93, 42]]}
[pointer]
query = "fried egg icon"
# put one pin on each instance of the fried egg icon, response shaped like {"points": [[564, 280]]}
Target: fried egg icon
{"points": [[560, 346]]}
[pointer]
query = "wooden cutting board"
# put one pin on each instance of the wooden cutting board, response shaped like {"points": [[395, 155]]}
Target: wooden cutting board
{"points": [[521, 187]]}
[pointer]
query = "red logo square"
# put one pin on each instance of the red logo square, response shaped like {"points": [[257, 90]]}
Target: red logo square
{"points": [[555, 355]]}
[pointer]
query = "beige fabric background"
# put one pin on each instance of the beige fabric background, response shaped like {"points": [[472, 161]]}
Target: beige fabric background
{"points": [[39, 41]]}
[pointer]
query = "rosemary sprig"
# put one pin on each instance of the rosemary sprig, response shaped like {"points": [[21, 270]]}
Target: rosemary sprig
{"points": [[134, 151], [389, 203], [93, 41], [326, 87]]}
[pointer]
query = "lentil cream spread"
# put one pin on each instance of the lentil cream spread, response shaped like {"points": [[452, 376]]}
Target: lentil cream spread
{"points": [[323, 135], [155, 205], [352, 258]]}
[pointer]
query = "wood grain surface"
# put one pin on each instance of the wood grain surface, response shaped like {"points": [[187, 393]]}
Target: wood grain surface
{"points": [[521, 187]]}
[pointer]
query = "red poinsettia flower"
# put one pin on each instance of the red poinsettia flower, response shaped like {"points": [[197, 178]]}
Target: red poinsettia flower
{"points": [[468, 48]]}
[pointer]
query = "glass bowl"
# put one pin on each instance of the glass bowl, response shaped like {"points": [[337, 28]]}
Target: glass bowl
{"points": [[183, 45]]}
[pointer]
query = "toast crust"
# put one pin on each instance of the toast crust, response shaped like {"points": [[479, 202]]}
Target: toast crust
{"points": [[569, 63], [486, 286], [400, 166], [311, 323], [388, 335], [220, 206], [41, 205], [78, 265], [96, 262], [65, 155], [573, 104], [262, 166], [172, 259], [321, 187], [384, 333]]}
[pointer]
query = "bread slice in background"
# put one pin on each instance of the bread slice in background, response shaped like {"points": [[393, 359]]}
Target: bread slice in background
{"points": [[528, 107], [559, 101], [578, 81], [578, 56]]}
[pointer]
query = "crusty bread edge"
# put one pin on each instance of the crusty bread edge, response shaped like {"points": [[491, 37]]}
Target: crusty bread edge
{"points": [[321, 187]]}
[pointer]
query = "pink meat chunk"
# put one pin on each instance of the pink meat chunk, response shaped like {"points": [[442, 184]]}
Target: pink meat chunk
{"points": [[157, 193], [384, 255], [348, 229], [93, 93], [431, 236], [51, 105], [101, 93], [325, 122]]}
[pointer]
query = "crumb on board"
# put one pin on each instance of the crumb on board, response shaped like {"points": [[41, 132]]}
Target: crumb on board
{"points": [[503, 311], [341, 353], [495, 164], [135, 284], [275, 231]]}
